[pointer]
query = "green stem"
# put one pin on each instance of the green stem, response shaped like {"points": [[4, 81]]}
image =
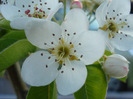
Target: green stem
{"points": [[64, 8], [54, 19], [90, 17], [93, 20]]}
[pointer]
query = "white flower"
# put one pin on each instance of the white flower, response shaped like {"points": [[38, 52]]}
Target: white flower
{"points": [[76, 4], [70, 47], [116, 66], [4, 2], [116, 23], [24, 10]]}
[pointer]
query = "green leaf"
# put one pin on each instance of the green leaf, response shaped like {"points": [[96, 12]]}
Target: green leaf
{"points": [[4, 24], [107, 53], [43, 92], [2, 73], [81, 94], [123, 79], [15, 35], [4, 43], [95, 86], [11, 38], [2, 32], [96, 83], [15, 52]]}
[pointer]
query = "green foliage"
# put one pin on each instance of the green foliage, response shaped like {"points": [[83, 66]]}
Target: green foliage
{"points": [[2, 73], [123, 79], [2, 32], [81, 94], [13, 47], [95, 86], [107, 53], [4, 24], [11, 38], [18, 50], [4, 43], [15, 35], [43, 92]]}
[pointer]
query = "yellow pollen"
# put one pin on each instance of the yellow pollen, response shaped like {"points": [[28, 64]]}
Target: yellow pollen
{"points": [[104, 28], [71, 46], [62, 41], [123, 23], [112, 27], [63, 51], [73, 57]]}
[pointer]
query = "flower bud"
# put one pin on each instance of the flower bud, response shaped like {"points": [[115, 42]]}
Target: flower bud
{"points": [[116, 66], [76, 4]]}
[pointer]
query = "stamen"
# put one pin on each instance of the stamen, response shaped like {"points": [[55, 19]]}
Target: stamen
{"points": [[38, 13], [63, 51], [104, 28], [27, 11], [123, 23]]}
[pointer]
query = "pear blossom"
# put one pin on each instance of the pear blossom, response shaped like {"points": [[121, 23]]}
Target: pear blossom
{"points": [[76, 4], [116, 23], [66, 49], [25, 10], [116, 66], [4, 2]]}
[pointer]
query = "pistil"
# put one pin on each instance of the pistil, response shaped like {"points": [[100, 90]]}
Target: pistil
{"points": [[63, 51]]}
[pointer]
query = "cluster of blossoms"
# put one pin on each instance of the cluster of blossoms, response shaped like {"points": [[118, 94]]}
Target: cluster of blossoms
{"points": [[66, 49]]}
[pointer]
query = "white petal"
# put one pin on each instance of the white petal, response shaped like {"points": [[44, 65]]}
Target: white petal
{"points": [[10, 12], [53, 11], [121, 7], [122, 42], [116, 66], [90, 46], [107, 41], [75, 22], [51, 7], [11, 2], [127, 29], [26, 4], [20, 22], [39, 70], [101, 13], [43, 34], [112, 9], [71, 78], [119, 57]]}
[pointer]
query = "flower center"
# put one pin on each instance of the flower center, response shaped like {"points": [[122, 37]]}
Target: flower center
{"points": [[112, 28], [63, 51], [38, 13]]}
